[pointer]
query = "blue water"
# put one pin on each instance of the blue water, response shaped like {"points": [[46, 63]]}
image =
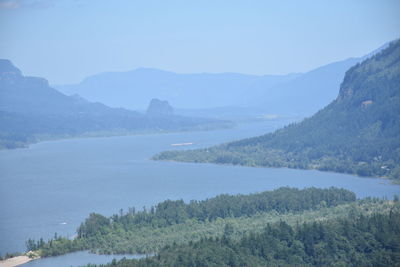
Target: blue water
{"points": [[53, 186], [76, 259]]}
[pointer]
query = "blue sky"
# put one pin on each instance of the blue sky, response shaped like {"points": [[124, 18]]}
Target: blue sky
{"points": [[65, 41]]}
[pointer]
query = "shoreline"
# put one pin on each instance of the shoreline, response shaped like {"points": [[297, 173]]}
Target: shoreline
{"points": [[90, 135], [15, 261], [383, 178]]}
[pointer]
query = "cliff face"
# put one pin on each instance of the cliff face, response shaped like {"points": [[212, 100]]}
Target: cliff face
{"points": [[373, 78]]}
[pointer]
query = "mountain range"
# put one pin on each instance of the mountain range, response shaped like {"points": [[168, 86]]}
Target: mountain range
{"points": [[31, 110], [291, 94]]}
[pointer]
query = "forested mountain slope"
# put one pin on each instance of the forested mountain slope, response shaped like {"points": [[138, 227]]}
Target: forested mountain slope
{"points": [[357, 133]]}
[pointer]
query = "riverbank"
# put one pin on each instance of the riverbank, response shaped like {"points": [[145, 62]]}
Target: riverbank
{"points": [[104, 134], [15, 261], [161, 157], [20, 259]]}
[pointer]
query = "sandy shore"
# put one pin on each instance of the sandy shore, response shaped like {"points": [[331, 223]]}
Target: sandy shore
{"points": [[15, 261]]}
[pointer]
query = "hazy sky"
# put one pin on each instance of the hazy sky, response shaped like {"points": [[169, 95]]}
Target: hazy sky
{"points": [[67, 40]]}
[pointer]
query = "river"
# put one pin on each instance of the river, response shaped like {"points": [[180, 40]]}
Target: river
{"points": [[53, 186]]}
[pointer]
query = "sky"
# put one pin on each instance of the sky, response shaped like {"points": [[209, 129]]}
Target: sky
{"points": [[65, 41]]}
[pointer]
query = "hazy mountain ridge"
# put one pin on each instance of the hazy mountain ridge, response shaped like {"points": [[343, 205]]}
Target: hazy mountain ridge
{"points": [[30, 110], [357, 133], [203, 90], [33, 95], [307, 93], [291, 94]]}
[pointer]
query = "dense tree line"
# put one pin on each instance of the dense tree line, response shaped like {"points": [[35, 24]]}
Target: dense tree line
{"points": [[177, 211], [363, 241], [112, 234], [358, 133], [149, 239]]}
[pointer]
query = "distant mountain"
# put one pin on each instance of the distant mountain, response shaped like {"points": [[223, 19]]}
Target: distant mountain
{"points": [[307, 93], [292, 94], [34, 96], [159, 108], [30, 110], [357, 133], [134, 89]]}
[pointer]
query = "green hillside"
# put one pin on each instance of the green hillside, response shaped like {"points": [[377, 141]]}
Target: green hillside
{"points": [[358, 133]]}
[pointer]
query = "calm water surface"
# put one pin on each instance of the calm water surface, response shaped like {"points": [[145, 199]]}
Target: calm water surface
{"points": [[53, 186], [80, 258]]}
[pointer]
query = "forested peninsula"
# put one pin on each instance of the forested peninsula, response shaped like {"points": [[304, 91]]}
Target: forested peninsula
{"points": [[307, 224]]}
